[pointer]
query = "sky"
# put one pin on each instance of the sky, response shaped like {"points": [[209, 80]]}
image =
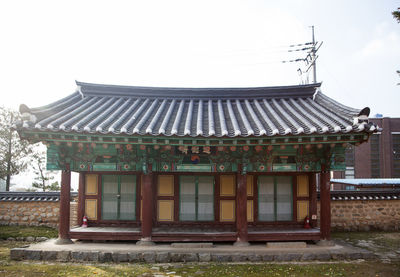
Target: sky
{"points": [[46, 45]]}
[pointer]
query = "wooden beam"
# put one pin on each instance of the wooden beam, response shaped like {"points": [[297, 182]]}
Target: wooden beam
{"points": [[312, 178], [147, 213], [241, 210], [325, 202], [81, 198], [63, 227]]}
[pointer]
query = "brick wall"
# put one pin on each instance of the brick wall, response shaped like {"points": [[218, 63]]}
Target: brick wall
{"points": [[365, 215]]}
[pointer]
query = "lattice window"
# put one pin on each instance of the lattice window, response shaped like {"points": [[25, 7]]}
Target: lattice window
{"points": [[196, 198], [275, 198]]}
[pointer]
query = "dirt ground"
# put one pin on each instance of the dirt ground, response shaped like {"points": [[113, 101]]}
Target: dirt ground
{"points": [[385, 244]]}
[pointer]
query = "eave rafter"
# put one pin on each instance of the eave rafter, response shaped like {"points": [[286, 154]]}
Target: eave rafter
{"points": [[46, 137]]}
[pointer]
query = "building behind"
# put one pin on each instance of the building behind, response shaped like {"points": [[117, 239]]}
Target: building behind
{"points": [[377, 158]]}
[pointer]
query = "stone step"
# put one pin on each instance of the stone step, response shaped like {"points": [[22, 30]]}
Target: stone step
{"points": [[292, 244], [192, 245]]}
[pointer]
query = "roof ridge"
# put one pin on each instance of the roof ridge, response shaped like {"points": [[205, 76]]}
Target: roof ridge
{"points": [[91, 89]]}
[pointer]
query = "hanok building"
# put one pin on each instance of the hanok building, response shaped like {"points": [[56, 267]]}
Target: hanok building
{"points": [[196, 164]]}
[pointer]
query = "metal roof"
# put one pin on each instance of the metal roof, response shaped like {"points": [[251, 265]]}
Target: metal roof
{"points": [[195, 112], [371, 181]]}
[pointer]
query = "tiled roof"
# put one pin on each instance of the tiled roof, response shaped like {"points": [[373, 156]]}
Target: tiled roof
{"points": [[365, 195], [32, 196], [195, 112]]}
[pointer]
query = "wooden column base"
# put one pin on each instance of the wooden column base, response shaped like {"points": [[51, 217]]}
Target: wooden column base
{"points": [[61, 241], [239, 243], [145, 242]]}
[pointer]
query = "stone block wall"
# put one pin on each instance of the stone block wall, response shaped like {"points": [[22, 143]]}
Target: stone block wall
{"points": [[33, 213], [365, 215]]}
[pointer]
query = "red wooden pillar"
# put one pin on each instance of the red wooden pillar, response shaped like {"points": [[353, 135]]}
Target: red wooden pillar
{"points": [[325, 203], [147, 212], [81, 198], [241, 210], [65, 195], [313, 199]]}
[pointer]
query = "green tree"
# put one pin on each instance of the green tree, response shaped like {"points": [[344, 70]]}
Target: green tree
{"points": [[42, 176], [396, 15], [13, 150], [55, 186]]}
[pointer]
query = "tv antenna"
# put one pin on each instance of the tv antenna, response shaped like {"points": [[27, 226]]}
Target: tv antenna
{"points": [[310, 61]]}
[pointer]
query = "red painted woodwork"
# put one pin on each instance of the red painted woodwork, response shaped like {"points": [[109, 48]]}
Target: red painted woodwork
{"points": [[147, 213], [63, 228], [325, 205], [81, 198], [241, 208], [313, 198]]}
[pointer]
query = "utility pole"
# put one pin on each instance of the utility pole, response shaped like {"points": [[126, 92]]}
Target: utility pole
{"points": [[313, 51]]}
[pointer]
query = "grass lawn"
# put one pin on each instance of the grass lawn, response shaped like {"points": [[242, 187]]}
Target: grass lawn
{"points": [[377, 241], [389, 241], [27, 231]]}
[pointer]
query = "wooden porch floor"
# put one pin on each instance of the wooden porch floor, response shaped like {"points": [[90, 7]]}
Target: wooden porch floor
{"points": [[170, 234]]}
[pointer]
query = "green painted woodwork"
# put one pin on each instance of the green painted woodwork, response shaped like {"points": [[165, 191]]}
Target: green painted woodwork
{"points": [[255, 158], [36, 136], [194, 167]]}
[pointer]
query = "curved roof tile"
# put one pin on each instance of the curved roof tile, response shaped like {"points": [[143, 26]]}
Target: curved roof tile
{"points": [[196, 112]]}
